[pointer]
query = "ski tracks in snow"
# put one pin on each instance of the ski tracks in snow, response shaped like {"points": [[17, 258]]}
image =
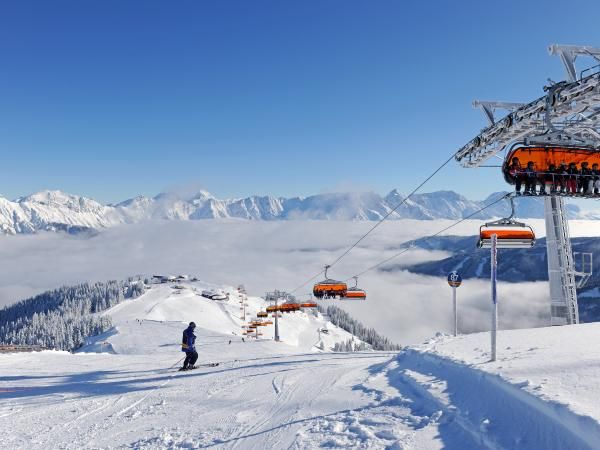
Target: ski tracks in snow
{"points": [[324, 400]]}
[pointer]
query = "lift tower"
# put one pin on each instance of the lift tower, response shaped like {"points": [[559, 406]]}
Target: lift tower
{"points": [[568, 116]]}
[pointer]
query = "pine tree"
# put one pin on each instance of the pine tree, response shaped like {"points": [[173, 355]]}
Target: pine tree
{"points": [[342, 319], [63, 318]]}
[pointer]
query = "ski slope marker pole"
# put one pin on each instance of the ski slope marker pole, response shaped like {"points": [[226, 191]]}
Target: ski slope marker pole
{"points": [[494, 269], [454, 281]]}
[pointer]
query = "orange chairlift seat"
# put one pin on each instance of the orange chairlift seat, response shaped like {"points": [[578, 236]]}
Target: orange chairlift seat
{"points": [[329, 287], [355, 293], [308, 305], [289, 307], [262, 314], [509, 233]]}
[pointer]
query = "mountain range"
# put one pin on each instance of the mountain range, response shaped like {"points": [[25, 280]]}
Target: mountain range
{"points": [[59, 211]]}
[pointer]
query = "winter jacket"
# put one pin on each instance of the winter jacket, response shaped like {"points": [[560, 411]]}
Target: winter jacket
{"points": [[529, 173], [188, 343], [515, 170], [573, 173], [550, 175], [586, 174]]}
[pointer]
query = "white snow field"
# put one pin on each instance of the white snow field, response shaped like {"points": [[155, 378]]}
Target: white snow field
{"points": [[123, 391]]}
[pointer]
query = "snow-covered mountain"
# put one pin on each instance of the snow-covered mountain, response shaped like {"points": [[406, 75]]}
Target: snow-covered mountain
{"points": [[59, 211]]}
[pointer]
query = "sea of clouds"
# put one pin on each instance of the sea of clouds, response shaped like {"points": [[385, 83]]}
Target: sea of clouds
{"points": [[264, 256]]}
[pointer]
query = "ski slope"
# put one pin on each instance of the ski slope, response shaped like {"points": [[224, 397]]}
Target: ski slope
{"points": [[123, 390]]}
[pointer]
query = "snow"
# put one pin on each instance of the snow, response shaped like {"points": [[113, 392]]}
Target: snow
{"points": [[557, 364], [542, 392], [51, 210], [122, 390]]}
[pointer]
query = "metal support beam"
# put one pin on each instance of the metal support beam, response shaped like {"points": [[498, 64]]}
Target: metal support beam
{"points": [[275, 296], [489, 108], [561, 269], [569, 53], [570, 108], [586, 265]]}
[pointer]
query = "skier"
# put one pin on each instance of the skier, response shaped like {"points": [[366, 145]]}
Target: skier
{"points": [[573, 175], [563, 178], [530, 176], [586, 182], [188, 346], [596, 178], [515, 172], [550, 180]]}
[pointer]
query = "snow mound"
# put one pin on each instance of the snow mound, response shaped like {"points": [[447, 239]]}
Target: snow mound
{"points": [[540, 393]]}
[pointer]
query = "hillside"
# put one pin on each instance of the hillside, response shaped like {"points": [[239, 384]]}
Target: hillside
{"points": [[59, 211], [123, 390], [163, 309]]}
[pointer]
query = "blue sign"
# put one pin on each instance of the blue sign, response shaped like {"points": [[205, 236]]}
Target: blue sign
{"points": [[454, 279]]}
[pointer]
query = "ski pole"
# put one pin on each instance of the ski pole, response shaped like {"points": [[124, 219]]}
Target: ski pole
{"points": [[177, 363]]}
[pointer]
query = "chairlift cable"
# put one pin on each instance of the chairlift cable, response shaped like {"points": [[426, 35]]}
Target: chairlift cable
{"points": [[404, 200], [433, 235], [414, 191]]}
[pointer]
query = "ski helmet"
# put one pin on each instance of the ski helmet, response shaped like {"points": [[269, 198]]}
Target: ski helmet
{"points": [[192, 325]]}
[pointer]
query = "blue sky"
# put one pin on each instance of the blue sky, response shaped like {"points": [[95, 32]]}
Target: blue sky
{"points": [[113, 99]]}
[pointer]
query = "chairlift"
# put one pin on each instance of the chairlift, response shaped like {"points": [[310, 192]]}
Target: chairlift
{"points": [[308, 305], [546, 155], [329, 288], [509, 233], [355, 293]]}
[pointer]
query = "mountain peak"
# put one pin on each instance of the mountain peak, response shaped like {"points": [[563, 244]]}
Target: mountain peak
{"points": [[57, 197], [52, 209]]}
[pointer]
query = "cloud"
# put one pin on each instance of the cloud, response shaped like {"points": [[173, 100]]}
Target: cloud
{"points": [[274, 255]]}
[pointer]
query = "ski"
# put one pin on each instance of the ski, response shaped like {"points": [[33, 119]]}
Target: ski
{"points": [[181, 369]]}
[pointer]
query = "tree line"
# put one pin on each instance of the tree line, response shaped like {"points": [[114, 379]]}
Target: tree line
{"points": [[62, 318], [345, 321]]}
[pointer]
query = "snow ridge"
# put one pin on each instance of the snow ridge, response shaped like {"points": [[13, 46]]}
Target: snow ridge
{"points": [[57, 211]]}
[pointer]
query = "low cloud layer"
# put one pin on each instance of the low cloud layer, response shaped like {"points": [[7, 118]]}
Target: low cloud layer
{"points": [[274, 255]]}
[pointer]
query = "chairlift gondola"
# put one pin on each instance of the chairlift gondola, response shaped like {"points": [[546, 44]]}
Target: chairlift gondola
{"points": [[545, 155], [355, 293], [509, 233], [329, 288]]}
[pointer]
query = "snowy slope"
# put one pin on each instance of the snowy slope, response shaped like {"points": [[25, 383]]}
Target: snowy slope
{"points": [[128, 393], [165, 308], [540, 394], [55, 210]]}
